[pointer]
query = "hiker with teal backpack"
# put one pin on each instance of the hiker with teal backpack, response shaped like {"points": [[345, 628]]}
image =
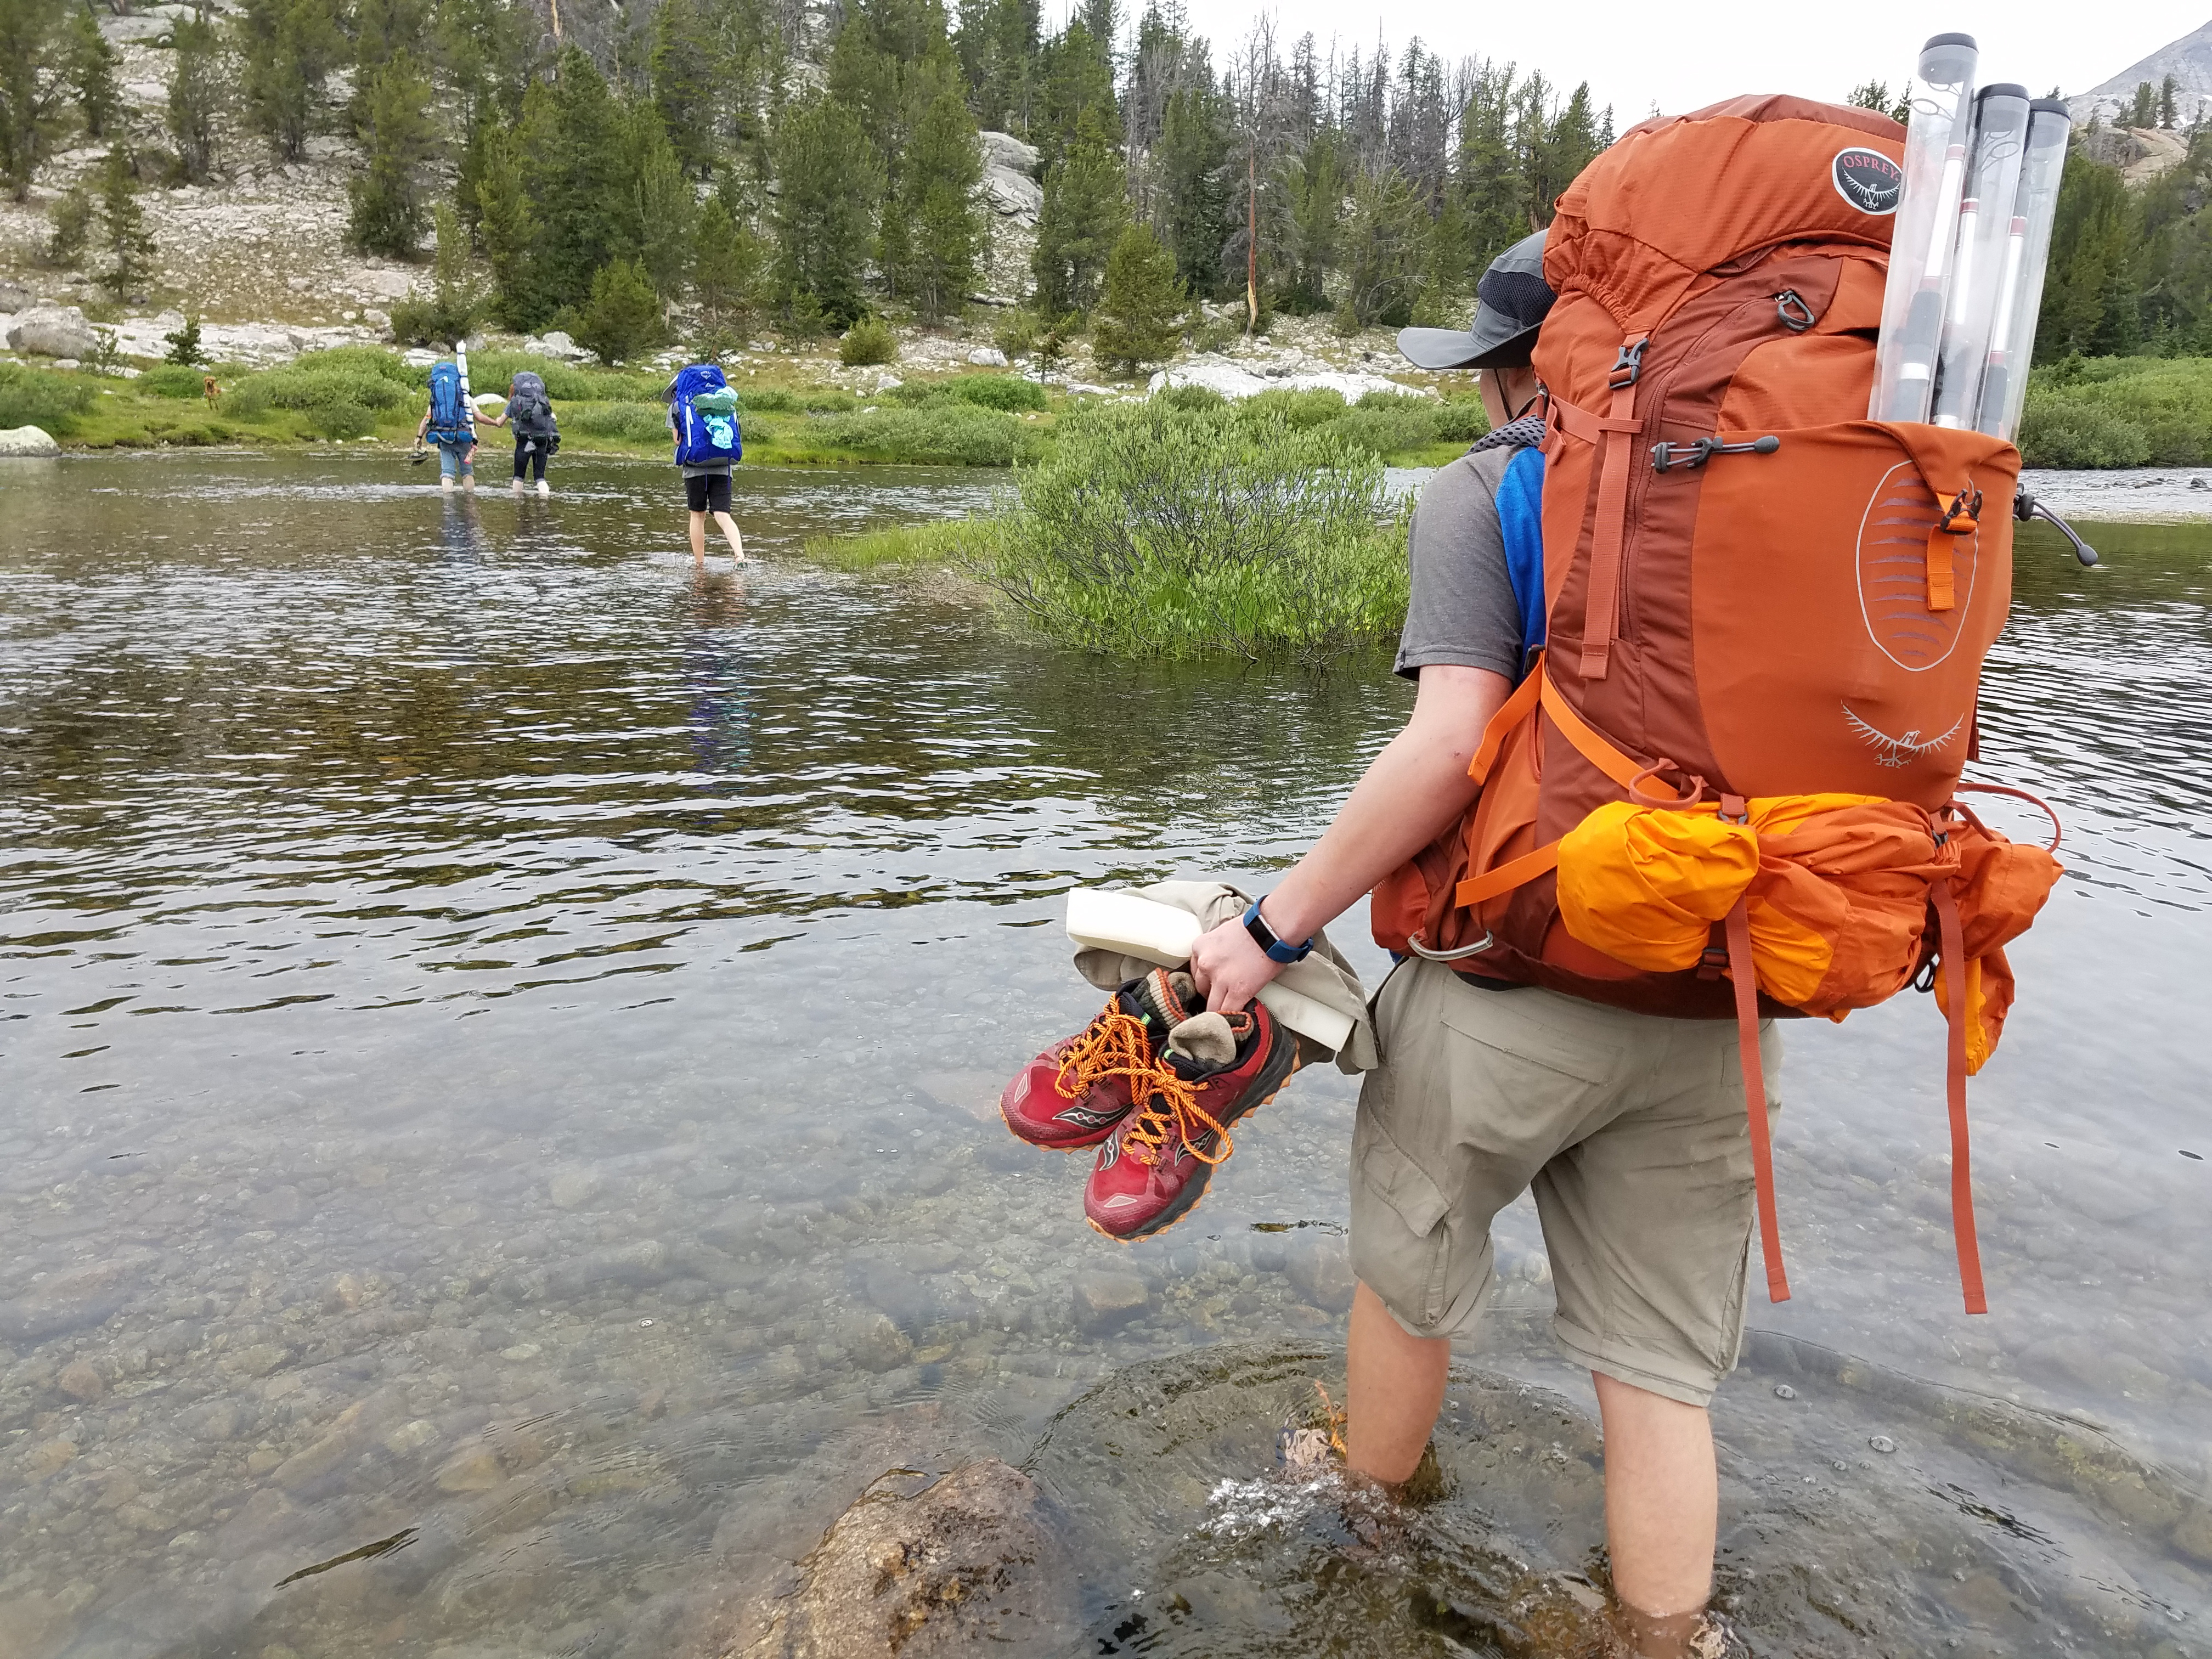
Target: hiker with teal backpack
{"points": [[450, 424], [702, 417]]}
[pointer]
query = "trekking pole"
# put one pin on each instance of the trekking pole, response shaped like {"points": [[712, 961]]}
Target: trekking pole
{"points": [[1978, 263], [1912, 305], [2027, 250]]}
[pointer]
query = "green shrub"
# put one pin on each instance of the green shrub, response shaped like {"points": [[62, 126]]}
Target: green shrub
{"points": [[1299, 411], [1016, 331], [1386, 426], [32, 397], [956, 434], [868, 340], [490, 371], [2067, 435], [172, 380], [1189, 398], [636, 422], [301, 387], [341, 420], [1152, 530], [366, 360], [622, 317], [1462, 421], [769, 400], [1009, 393]]}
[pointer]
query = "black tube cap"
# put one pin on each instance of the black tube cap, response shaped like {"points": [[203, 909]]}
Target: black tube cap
{"points": [[2003, 90]]}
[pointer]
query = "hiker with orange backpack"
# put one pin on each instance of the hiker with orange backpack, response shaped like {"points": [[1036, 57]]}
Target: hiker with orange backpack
{"points": [[1725, 789]]}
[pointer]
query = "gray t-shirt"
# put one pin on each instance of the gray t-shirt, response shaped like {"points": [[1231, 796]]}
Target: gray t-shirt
{"points": [[1462, 609]]}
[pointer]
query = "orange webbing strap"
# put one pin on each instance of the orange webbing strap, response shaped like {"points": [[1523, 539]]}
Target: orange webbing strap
{"points": [[1587, 743], [1962, 1185], [1505, 877], [1511, 713], [2057, 829], [1754, 1097]]}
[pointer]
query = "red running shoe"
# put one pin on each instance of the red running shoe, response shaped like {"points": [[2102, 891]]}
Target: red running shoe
{"points": [[1214, 1069], [1073, 1093]]}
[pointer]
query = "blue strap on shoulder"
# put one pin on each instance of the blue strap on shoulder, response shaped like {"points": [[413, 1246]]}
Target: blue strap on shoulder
{"points": [[1520, 516]]}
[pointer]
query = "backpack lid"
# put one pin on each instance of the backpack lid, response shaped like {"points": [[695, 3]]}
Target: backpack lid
{"points": [[1681, 196], [527, 385]]}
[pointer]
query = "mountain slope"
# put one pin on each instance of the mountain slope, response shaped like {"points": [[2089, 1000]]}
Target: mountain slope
{"points": [[2188, 60]]}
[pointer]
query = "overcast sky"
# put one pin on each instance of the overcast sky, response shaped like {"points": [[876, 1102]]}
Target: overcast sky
{"points": [[1683, 53]]}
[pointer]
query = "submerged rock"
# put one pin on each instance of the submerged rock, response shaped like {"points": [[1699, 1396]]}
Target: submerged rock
{"points": [[971, 1561]]}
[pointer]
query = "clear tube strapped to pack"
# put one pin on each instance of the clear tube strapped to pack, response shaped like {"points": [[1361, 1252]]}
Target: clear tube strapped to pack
{"points": [[2028, 249], [1936, 138], [1978, 260]]}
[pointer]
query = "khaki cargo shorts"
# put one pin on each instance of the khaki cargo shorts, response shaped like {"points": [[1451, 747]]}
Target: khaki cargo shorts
{"points": [[1629, 1129]]}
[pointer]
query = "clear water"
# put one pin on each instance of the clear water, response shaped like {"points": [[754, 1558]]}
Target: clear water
{"points": [[498, 1034]]}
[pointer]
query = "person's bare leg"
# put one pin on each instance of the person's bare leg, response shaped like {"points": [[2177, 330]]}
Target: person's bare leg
{"points": [[1394, 1387], [730, 534], [1662, 1498], [699, 538]]}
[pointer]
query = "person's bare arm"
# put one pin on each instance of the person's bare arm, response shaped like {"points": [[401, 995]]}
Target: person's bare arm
{"points": [[1417, 785]]}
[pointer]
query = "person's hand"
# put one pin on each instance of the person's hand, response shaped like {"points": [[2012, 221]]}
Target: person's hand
{"points": [[1229, 968]]}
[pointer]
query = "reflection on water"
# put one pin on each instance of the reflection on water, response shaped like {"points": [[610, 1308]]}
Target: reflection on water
{"points": [[500, 1031]]}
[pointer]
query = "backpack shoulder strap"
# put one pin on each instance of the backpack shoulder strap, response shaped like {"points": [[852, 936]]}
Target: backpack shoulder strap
{"points": [[1520, 516]]}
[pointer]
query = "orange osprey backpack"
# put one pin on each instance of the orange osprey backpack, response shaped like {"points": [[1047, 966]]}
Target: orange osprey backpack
{"points": [[1728, 787]]}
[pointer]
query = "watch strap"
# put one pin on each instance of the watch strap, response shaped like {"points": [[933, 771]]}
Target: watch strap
{"points": [[1264, 936]]}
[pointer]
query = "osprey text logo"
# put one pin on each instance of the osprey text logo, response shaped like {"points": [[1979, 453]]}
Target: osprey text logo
{"points": [[1901, 751], [1868, 180]]}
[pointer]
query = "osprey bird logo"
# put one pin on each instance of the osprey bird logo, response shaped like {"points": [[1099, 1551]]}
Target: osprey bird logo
{"points": [[1900, 751]]}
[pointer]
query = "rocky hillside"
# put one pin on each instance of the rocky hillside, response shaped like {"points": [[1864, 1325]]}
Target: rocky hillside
{"points": [[2188, 60]]}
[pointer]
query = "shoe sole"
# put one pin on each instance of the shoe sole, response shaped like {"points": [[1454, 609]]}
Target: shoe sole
{"points": [[1188, 1200]]}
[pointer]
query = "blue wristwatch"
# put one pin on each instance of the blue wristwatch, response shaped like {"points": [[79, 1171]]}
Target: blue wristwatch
{"points": [[1264, 936]]}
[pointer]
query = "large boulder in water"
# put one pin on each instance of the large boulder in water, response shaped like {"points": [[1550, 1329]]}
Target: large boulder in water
{"points": [[52, 332], [971, 1563], [29, 442]]}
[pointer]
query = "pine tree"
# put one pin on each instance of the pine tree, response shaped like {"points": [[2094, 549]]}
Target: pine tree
{"points": [[1192, 159], [1386, 244], [666, 206], [507, 226], [456, 300], [1075, 80], [2143, 112], [1490, 181], [390, 201], [382, 30], [1084, 208], [33, 86], [2167, 113], [830, 181], [2090, 293], [92, 75], [726, 258], [684, 82], [199, 86], [290, 47], [1139, 304], [1317, 188], [184, 344], [946, 232], [123, 234], [622, 315], [576, 175]]}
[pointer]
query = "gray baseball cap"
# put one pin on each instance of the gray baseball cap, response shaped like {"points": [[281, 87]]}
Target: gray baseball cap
{"points": [[1511, 301]]}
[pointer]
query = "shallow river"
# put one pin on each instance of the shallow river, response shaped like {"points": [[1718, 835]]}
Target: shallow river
{"points": [[498, 1038]]}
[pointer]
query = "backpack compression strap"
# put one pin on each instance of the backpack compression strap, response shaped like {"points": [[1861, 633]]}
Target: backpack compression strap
{"points": [[1610, 433]]}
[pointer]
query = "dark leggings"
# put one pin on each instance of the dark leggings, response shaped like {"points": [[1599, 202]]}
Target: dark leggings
{"points": [[529, 451]]}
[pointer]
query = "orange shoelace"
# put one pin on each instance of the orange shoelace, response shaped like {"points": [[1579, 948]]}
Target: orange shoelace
{"points": [[1115, 1045], [1170, 1106]]}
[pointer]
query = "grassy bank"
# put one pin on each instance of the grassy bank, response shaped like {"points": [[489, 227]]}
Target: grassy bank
{"points": [[970, 418], [1181, 528]]}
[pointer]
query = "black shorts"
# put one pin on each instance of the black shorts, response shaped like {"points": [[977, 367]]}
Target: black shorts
{"points": [[707, 492]]}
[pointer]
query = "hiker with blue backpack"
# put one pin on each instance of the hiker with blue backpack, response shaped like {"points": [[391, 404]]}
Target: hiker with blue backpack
{"points": [[450, 424], [702, 417]]}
